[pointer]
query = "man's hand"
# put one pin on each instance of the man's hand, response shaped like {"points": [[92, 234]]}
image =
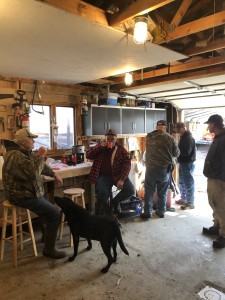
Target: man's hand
{"points": [[58, 180], [120, 184], [103, 144], [42, 151]]}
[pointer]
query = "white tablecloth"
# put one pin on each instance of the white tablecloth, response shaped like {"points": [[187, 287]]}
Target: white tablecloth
{"points": [[73, 171]]}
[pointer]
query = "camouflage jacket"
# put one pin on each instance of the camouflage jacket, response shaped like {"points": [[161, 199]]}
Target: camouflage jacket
{"points": [[22, 175], [160, 150]]}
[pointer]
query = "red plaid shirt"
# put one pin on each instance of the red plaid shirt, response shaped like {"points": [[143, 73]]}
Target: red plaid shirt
{"points": [[120, 166]]}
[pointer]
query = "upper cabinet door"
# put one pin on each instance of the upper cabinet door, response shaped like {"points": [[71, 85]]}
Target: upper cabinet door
{"points": [[133, 120], [152, 117], [105, 118]]}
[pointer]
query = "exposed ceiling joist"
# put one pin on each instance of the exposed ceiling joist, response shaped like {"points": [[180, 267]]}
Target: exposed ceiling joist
{"points": [[136, 8], [180, 13], [173, 78], [176, 69], [80, 8], [211, 46], [194, 27]]}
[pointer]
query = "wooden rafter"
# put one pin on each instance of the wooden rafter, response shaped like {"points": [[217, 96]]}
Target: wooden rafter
{"points": [[172, 78], [176, 69], [79, 8], [195, 26], [139, 7], [180, 13], [211, 46]]}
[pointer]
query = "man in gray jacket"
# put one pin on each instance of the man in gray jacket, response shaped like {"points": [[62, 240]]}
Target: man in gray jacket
{"points": [[160, 151], [22, 180], [214, 170]]}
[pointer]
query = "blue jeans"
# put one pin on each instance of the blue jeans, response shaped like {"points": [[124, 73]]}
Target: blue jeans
{"points": [[156, 180], [186, 182], [104, 189], [48, 213]]}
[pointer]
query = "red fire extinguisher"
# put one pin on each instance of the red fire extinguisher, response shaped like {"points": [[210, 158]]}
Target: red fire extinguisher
{"points": [[24, 120]]}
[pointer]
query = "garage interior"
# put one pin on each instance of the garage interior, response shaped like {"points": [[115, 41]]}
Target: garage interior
{"points": [[84, 54]]}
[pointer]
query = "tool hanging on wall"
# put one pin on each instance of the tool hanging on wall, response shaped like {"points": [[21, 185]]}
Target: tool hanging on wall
{"points": [[21, 110], [2, 124], [20, 96]]}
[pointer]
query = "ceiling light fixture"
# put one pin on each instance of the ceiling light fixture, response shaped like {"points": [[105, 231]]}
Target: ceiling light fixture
{"points": [[140, 30], [128, 78]]}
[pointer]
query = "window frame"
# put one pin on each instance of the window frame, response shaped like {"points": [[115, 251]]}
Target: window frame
{"points": [[52, 115]]}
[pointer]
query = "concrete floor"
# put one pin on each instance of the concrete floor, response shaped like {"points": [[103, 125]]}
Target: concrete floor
{"points": [[169, 259]]}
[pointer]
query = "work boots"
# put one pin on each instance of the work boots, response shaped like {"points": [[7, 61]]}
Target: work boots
{"points": [[49, 247]]}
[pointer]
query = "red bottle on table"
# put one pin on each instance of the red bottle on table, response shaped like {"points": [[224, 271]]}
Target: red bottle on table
{"points": [[74, 159]]}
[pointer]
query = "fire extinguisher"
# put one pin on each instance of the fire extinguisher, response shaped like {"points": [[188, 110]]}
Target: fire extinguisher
{"points": [[24, 120]]}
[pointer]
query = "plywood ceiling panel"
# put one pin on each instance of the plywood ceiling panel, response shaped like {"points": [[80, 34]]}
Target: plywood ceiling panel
{"points": [[44, 43]]}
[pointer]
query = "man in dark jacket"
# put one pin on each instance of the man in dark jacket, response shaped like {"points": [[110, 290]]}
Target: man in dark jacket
{"points": [[111, 166], [186, 167], [22, 180], [214, 170]]}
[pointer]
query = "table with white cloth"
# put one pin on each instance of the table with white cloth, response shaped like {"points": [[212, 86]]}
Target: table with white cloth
{"points": [[65, 171]]}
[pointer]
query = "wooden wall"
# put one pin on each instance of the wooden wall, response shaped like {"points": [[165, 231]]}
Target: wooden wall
{"points": [[46, 94]]}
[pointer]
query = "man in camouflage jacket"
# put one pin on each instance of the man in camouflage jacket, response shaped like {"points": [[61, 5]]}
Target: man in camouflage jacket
{"points": [[160, 152], [22, 180]]}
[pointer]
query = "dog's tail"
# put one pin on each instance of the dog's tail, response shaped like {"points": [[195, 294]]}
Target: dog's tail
{"points": [[120, 241]]}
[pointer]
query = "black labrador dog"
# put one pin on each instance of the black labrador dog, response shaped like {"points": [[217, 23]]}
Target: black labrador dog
{"points": [[104, 229]]}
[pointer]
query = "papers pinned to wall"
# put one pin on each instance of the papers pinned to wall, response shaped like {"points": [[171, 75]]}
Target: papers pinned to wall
{"points": [[132, 144]]}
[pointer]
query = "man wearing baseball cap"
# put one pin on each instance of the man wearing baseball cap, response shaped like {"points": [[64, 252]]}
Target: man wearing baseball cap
{"points": [[160, 151], [214, 170], [111, 166], [186, 161], [22, 180]]}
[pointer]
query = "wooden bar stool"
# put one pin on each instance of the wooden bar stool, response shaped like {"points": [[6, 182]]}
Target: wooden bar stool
{"points": [[77, 195], [17, 218]]}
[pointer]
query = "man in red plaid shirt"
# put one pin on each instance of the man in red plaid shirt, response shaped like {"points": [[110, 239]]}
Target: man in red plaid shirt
{"points": [[111, 166]]}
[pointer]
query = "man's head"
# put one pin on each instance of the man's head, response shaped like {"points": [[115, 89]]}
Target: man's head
{"points": [[215, 123], [161, 125], [110, 136], [180, 128], [25, 138]]}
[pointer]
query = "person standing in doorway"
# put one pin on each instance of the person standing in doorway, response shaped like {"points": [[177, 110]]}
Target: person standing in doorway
{"points": [[186, 161], [160, 152], [214, 170]]}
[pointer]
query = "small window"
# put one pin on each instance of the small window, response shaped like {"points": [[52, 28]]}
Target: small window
{"points": [[65, 122], [40, 125]]}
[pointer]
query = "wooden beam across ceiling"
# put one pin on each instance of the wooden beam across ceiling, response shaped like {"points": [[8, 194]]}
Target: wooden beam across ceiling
{"points": [[211, 21], [180, 13], [173, 78], [138, 7], [202, 63], [211, 46], [80, 8]]}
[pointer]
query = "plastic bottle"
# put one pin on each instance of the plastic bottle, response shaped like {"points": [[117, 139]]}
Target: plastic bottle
{"points": [[74, 159]]}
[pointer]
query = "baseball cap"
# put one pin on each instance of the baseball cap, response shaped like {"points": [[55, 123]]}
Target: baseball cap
{"points": [[22, 133], [216, 119], [179, 125], [162, 122], [111, 132]]}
